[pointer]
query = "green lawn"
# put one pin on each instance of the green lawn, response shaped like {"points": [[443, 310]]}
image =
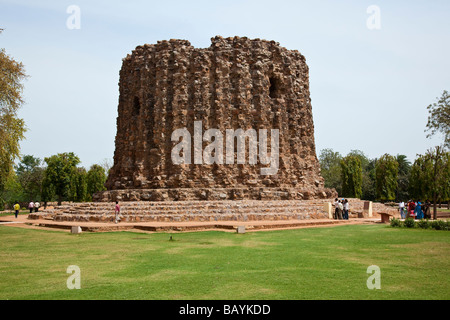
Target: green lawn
{"points": [[316, 263]]}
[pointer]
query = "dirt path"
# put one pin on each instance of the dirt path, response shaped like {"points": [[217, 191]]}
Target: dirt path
{"points": [[23, 222]]}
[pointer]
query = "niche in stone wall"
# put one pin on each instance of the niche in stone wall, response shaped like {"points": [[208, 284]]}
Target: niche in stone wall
{"points": [[136, 106], [274, 87]]}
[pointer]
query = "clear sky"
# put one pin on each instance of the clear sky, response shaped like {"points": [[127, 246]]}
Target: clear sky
{"points": [[369, 87]]}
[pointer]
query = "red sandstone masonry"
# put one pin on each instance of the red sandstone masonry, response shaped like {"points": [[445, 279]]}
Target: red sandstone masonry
{"points": [[235, 83], [202, 211]]}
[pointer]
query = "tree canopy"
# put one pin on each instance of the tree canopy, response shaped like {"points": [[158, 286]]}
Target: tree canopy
{"points": [[386, 173], [430, 176], [12, 128], [351, 176], [59, 176], [439, 118]]}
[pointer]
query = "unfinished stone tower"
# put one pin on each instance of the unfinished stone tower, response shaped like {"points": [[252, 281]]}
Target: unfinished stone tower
{"points": [[236, 83]]}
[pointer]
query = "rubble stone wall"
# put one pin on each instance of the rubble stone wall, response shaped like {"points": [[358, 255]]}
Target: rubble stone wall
{"points": [[236, 83]]}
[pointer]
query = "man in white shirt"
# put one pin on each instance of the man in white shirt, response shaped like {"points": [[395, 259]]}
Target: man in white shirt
{"points": [[346, 208], [401, 207], [340, 209], [31, 206], [336, 208]]}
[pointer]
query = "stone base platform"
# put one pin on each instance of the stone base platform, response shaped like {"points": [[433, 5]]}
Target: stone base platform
{"points": [[212, 194], [202, 211], [43, 222]]}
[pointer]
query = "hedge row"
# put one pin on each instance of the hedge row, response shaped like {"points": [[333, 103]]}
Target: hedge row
{"points": [[422, 224]]}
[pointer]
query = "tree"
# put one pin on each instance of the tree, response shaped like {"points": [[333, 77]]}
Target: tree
{"points": [[368, 174], [12, 128], [59, 174], [330, 168], [430, 176], [386, 174], [404, 168], [439, 118], [96, 179], [78, 185], [369, 181], [106, 164], [351, 176], [30, 175], [12, 192]]}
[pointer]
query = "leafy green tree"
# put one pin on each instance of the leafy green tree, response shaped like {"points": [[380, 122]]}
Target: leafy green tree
{"points": [[96, 178], [404, 168], [417, 184], [439, 118], [12, 128], [30, 175], [386, 175], [368, 174], [12, 192], [351, 176], [59, 175], [330, 166], [369, 181], [78, 185], [430, 176], [48, 190]]}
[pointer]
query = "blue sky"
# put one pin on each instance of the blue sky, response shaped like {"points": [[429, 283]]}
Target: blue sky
{"points": [[369, 88]]}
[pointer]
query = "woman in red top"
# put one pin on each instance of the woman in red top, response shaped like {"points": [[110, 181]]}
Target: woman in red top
{"points": [[411, 207], [117, 210]]}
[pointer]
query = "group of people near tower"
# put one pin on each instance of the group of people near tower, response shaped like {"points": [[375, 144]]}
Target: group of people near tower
{"points": [[415, 210], [341, 208]]}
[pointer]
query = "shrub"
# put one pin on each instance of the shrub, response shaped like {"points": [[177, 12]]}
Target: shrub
{"points": [[396, 222], [409, 223], [439, 225], [424, 224]]}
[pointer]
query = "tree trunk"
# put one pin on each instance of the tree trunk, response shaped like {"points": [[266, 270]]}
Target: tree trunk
{"points": [[59, 200], [434, 207]]}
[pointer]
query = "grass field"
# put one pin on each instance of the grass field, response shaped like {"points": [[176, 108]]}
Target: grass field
{"points": [[315, 263]]}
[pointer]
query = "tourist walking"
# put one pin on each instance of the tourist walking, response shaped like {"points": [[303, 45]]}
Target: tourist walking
{"points": [[36, 206], [16, 209], [117, 212], [401, 208], [31, 206]]}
